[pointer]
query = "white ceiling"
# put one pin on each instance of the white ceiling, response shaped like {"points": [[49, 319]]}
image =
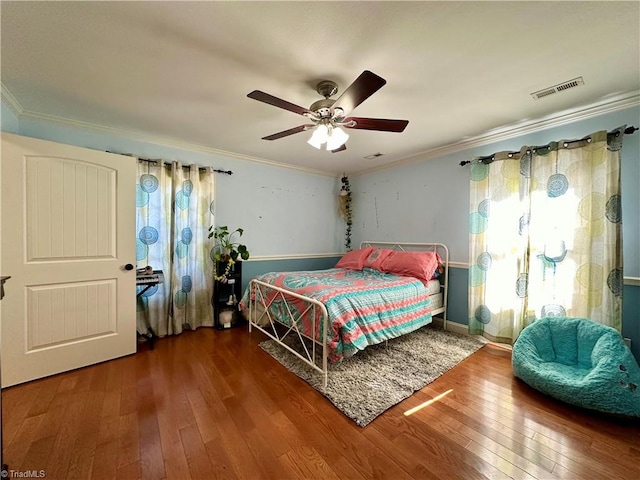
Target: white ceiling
{"points": [[179, 72]]}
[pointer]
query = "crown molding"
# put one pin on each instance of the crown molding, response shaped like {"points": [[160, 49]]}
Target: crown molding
{"points": [[612, 104], [23, 114], [165, 141], [11, 101]]}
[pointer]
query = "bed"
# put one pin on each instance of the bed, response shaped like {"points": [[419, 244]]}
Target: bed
{"points": [[380, 291]]}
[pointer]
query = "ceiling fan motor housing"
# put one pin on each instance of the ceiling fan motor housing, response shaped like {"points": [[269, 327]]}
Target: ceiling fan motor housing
{"points": [[327, 88], [322, 108]]}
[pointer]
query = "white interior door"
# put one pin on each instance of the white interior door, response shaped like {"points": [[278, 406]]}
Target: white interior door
{"points": [[67, 230]]}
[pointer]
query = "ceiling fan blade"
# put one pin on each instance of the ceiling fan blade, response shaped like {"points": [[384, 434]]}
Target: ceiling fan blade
{"points": [[362, 88], [278, 102], [381, 124], [286, 133], [341, 148]]}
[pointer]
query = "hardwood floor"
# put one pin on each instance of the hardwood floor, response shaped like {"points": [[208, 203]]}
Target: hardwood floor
{"points": [[211, 404]]}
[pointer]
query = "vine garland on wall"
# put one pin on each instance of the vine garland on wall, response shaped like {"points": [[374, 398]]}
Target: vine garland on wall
{"points": [[345, 209]]}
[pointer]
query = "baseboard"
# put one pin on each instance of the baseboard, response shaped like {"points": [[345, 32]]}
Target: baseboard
{"points": [[452, 326], [464, 330]]}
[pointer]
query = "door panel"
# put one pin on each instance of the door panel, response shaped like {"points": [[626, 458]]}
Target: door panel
{"points": [[58, 315], [68, 227], [65, 199]]}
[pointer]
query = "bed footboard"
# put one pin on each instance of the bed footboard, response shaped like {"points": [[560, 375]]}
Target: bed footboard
{"points": [[312, 350]]}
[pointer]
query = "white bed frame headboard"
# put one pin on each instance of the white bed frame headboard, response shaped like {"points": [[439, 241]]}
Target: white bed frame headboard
{"points": [[440, 248]]}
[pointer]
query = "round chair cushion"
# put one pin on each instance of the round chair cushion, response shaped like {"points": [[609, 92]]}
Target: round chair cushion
{"points": [[580, 362]]}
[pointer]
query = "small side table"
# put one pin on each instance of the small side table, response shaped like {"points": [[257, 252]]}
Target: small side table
{"points": [[146, 282]]}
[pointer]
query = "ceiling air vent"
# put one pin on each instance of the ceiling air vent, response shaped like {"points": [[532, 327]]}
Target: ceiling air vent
{"points": [[375, 155], [576, 82]]}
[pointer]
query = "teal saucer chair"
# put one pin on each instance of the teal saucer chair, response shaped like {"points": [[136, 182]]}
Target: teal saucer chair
{"points": [[580, 362]]}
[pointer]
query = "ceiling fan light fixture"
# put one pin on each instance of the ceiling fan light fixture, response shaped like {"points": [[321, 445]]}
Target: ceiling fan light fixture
{"points": [[319, 136], [329, 115], [337, 138]]}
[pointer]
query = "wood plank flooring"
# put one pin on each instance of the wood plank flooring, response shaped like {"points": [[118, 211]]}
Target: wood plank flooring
{"points": [[211, 404]]}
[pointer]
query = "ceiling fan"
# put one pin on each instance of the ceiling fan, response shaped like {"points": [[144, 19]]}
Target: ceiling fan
{"points": [[328, 116]]}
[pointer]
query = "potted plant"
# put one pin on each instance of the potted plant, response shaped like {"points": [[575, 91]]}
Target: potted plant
{"points": [[225, 249]]}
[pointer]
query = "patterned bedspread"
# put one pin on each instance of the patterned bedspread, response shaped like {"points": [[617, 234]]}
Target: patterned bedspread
{"points": [[364, 307]]}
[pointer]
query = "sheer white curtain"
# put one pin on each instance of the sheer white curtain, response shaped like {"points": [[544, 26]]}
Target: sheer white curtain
{"points": [[175, 208], [545, 236]]}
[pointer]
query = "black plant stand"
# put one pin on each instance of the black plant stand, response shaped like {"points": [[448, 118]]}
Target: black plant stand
{"points": [[226, 295]]}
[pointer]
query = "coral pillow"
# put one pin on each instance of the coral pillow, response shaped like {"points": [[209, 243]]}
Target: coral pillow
{"points": [[420, 265], [355, 259], [439, 268], [376, 257]]}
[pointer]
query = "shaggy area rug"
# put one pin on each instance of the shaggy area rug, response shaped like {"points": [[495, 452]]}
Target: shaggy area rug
{"points": [[379, 377]]}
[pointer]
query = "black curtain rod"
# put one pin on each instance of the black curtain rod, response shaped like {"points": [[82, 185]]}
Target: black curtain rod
{"points": [[489, 158], [226, 172]]}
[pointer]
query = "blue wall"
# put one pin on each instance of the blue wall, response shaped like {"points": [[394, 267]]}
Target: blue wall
{"points": [[252, 269], [8, 121], [289, 216], [427, 200], [283, 211], [424, 201]]}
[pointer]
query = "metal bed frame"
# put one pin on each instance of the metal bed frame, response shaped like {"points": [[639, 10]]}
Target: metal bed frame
{"points": [[316, 352]]}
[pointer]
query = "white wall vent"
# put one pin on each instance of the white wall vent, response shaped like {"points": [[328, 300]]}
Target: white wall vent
{"points": [[576, 82]]}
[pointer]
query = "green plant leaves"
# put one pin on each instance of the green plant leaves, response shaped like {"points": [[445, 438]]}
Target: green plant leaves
{"points": [[224, 244]]}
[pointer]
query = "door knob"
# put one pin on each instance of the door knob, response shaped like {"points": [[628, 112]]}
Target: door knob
{"points": [[128, 266], [2, 280]]}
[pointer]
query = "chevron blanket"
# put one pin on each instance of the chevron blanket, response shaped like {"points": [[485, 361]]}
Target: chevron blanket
{"points": [[364, 307]]}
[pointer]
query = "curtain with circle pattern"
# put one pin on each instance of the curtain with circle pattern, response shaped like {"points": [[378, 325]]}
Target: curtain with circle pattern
{"points": [[175, 208], [546, 236]]}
